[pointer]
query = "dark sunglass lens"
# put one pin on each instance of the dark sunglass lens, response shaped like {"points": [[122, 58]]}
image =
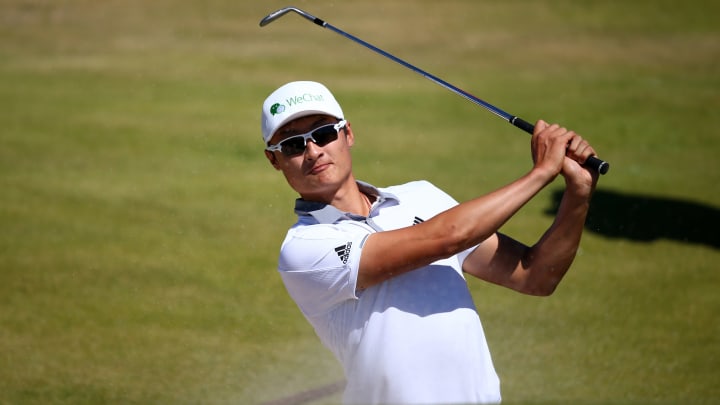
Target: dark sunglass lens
{"points": [[293, 146], [322, 136], [325, 135]]}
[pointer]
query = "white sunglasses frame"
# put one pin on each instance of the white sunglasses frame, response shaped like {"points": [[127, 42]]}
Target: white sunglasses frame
{"points": [[308, 135]]}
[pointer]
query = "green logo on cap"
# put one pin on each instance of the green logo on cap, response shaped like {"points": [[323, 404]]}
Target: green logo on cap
{"points": [[277, 108]]}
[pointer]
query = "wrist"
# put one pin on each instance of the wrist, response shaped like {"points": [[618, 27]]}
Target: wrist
{"points": [[579, 190], [542, 175]]}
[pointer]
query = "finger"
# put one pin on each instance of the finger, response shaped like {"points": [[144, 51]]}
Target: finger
{"points": [[540, 125], [580, 150], [575, 144], [557, 133]]}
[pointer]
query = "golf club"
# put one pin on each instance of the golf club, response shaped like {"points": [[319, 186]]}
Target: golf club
{"points": [[592, 162]]}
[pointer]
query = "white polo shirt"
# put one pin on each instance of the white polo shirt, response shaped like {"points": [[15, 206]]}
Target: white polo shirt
{"points": [[414, 339]]}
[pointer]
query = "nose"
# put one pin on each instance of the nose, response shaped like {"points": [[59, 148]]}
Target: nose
{"points": [[312, 150]]}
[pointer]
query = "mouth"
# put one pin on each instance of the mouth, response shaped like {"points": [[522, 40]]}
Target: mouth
{"points": [[318, 168]]}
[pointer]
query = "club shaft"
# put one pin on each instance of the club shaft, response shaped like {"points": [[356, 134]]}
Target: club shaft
{"points": [[500, 113], [592, 162]]}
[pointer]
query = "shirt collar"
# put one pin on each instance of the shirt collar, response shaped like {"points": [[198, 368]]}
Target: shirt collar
{"points": [[327, 214]]}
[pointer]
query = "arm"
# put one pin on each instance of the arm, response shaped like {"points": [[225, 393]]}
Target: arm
{"points": [[389, 254], [537, 270]]}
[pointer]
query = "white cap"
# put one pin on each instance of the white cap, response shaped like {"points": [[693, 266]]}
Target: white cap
{"points": [[295, 100]]}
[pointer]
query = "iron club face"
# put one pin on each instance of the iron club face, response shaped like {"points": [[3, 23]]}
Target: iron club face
{"points": [[281, 12]]}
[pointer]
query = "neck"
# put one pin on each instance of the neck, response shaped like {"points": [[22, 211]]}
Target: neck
{"points": [[348, 198], [353, 201]]}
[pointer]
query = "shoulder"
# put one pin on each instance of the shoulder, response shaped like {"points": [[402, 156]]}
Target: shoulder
{"points": [[422, 191], [411, 187], [317, 245]]}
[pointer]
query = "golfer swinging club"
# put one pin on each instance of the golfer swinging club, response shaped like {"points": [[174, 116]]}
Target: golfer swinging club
{"points": [[380, 272]]}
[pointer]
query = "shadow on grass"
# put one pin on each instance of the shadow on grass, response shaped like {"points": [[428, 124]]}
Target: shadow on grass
{"points": [[645, 219]]}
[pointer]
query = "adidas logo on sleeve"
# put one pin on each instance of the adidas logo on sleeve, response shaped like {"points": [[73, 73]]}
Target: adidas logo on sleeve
{"points": [[343, 252]]}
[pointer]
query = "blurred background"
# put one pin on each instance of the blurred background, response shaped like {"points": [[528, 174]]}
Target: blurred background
{"points": [[140, 222]]}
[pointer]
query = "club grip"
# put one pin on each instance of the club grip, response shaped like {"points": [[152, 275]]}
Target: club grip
{"points": [[597, 164], [522, 124], [592, 162]]}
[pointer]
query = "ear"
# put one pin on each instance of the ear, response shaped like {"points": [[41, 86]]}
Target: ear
{"points": [[349, 134], [273, 159]]}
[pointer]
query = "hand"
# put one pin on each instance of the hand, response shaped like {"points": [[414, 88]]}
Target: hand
{"points": [[561, 151], [549, 146]]}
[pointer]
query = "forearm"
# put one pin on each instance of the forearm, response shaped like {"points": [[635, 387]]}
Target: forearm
{"points": [[547, 262], [472, 222]]}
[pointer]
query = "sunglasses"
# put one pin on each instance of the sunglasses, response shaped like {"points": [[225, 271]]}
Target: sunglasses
{"points": [[295, 145]]}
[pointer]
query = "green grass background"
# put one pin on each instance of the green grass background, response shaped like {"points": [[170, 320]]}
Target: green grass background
{"points": [[140, 222]]}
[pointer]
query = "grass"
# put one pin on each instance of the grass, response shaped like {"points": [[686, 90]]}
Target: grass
{"points": [[141, 223]]}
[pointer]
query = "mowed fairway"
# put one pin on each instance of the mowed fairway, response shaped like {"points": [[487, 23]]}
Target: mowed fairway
{"points": [[140, 222]]}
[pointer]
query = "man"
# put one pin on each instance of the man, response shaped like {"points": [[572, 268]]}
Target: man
{"points": [[379, 272]]}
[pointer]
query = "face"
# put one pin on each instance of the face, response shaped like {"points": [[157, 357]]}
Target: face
{"points": [[319, 172]]}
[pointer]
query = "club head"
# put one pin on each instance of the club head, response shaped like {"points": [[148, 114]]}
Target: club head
{"points": [[279, 13]]}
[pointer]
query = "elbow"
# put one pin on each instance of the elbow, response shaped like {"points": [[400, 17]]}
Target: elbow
{"points": [[545, 291], [543, 281], [545, 288], [539, 291]]}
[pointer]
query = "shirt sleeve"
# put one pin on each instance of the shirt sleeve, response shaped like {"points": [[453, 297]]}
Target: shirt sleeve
{"points": [[319, 265]]}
